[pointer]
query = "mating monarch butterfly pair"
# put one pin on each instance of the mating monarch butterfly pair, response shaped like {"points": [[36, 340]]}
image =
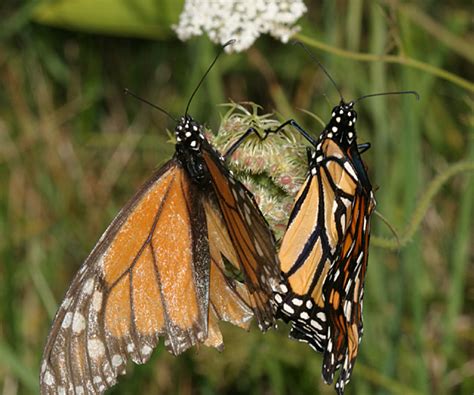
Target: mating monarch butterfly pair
{"points": [[162, 268]]}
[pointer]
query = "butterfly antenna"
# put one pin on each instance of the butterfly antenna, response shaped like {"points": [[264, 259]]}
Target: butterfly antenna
{"points": [[388, 93], [320, 65], [230, 42], [127, 92]]}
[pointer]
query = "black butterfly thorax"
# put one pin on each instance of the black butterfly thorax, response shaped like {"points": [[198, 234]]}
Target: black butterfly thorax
{"points": [[341, 129], [190, 142]]}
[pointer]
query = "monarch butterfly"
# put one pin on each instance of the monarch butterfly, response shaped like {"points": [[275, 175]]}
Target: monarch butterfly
{"points": [[163, 268], [324, 251]]}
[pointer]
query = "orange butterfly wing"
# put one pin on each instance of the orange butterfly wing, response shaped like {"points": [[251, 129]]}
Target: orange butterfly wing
{"points": [[148, 276], [344, 289], [249, 233], [229, 300]]}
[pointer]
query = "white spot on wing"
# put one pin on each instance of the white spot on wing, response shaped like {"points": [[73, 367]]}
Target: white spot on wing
{"points": [[346, 202], [315, 324], [67, 320], [66, 303], [350, 170], [288, 308], [258, 248], [117, 360], [297, 302], [96, 348], [97, 301], [89, 286], [78, 322], [348, 310], [321, 316], [146, 350], [348, 285], [48, 378], [330, 347], [304, 315], [283, 288]]}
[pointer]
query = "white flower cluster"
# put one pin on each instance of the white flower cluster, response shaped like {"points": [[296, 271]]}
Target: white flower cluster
{"points": [[243, 20]]}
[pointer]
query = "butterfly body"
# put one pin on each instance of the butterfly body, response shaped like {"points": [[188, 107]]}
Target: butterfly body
{"points": [[189, 141], [324, 251], [159, 271]]}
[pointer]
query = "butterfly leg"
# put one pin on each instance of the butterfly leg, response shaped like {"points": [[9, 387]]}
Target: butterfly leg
{"points": [[298, 128], [241, 139], [251, 130], [363, 147]]}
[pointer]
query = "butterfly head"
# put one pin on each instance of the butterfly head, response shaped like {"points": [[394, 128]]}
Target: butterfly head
{"points": [[341, 127], [189, 133]]}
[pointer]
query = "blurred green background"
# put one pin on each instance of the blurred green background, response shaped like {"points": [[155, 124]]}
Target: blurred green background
{"points": [[73, 149]]}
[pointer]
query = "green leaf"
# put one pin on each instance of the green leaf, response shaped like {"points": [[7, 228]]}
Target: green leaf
{"points": [[137, 18]]}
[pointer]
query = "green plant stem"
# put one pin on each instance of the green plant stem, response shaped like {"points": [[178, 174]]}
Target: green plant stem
{"points": [[422, 207], [454, 42], [397, 59]]}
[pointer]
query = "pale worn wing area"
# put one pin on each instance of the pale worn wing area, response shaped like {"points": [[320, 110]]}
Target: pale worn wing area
{"points": [[148, 277]]}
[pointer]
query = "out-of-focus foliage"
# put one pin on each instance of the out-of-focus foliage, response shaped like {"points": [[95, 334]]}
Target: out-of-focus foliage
{"points": [[73, 149], [141, 18]]}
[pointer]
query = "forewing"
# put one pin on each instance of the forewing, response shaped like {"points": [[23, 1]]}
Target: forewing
{"points": [[316, 228], [148, 276], [250, 236]]}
